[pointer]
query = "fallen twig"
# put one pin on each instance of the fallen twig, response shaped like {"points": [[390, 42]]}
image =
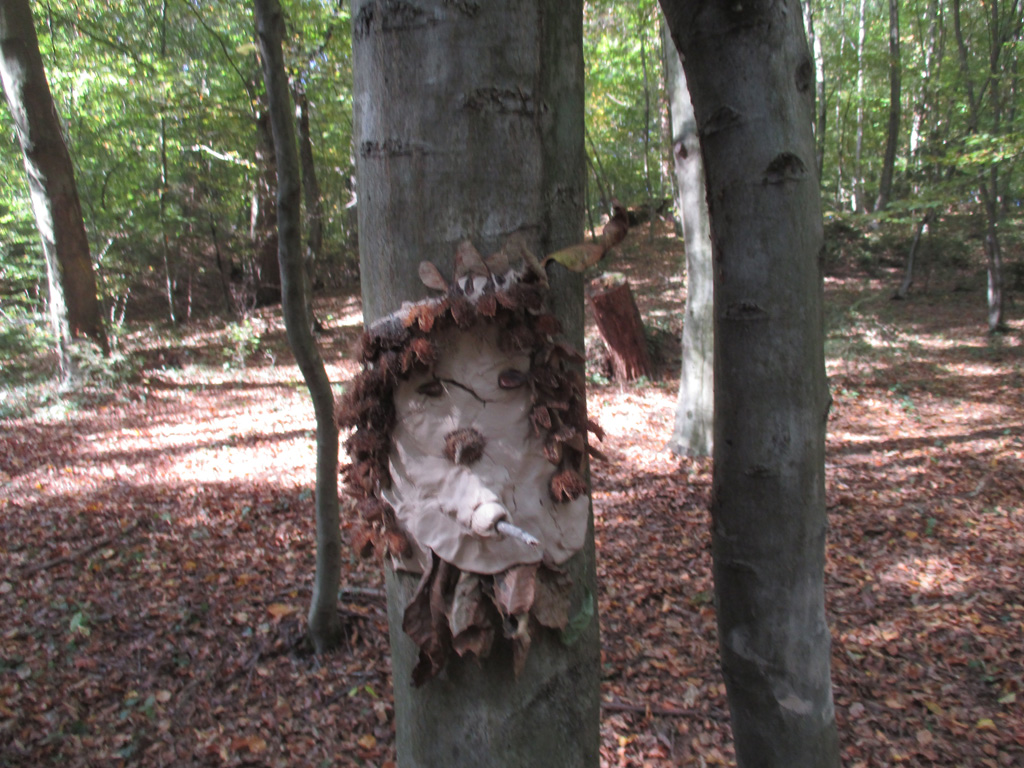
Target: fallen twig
{"points": [[650, 709], [84, 552]]}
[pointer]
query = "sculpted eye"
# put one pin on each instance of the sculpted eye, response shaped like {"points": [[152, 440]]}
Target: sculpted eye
{"points": [[511, 378], [432, 388]]}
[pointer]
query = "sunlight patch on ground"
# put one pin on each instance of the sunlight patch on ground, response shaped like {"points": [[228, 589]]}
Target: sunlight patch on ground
{"points": [[348, 315], [933, 575], [630, 418]]}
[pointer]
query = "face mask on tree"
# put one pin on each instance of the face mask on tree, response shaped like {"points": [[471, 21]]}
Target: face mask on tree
{"points": [[469, 455]]}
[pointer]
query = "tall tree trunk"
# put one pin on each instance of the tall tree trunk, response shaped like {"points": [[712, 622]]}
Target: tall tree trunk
{"points": [[310, 185], [164, 182], [893, 128], [693, 433], [641, 26], [324, 620], [264, 228], [751, 81], [469, 124], [820, 97], [74, 307], [988, 178], [859, 203], [314, 206], [932, 41], [840, 122]]}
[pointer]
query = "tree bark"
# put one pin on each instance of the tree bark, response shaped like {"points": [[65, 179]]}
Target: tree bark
{"points": [[693, 433], [751, 81], [264, 230], [73, 304], [469, 124], [310, 184], [893, 127], [621, 327], [324, 619], [314, 206]]}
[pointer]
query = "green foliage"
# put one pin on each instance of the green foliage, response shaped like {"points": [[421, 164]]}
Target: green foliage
{"points": [[243, 339], [620, 39], [137, 89]]}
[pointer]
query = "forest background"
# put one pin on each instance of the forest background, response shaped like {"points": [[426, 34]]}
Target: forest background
{"points": [[163, 110], [164, 113]]}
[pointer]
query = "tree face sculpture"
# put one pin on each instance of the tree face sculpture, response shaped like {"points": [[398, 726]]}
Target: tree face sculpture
{"points": [[467, 465], [469, 455]]}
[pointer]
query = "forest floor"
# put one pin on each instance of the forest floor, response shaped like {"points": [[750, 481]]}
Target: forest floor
{"points": [[157, 551]]}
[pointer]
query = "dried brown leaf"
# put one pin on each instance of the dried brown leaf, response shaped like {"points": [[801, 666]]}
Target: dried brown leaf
{"points": [[431, 276], [514, 589], [567, 486], [469, 262]]}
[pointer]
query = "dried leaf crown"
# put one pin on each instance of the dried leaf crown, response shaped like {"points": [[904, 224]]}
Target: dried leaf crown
{"points": [[507, 289]]}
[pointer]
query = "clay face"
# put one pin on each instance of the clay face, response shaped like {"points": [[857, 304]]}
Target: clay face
{"points": [[468, 457], [465, 456]]}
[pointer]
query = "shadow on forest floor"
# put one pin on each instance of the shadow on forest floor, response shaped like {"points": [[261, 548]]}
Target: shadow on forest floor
{"points": [[158, 552]]}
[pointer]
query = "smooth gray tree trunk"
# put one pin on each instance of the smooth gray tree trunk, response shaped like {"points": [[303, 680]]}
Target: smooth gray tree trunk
{"points": [[695, 407], [73, 304], [469, 124], [751, 79], [324, 619]]}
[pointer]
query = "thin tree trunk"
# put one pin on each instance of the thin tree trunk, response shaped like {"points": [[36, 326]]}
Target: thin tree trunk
{"points": [[324, 619], [165, 245], [989, 177], [598, 169], [908, 269], [74, 307], [750, 77], [840, 120], [893, 128], [647, 130], [311, 195], [225, 277], [859, 204], [820, 97], [693, 433], [484, 142], [264, 227], [310, 185]]}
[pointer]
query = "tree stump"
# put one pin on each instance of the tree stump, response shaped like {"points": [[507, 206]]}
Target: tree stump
{"points": [[620, 326]]}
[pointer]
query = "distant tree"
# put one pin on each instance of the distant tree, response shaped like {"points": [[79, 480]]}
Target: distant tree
{"points": [[74, 307], [751, 79], [892, 136], [695, 407], [987, 113], [859, 195], [324, 620], [469, 124]]}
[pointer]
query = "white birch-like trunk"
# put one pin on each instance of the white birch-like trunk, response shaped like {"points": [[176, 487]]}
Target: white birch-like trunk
{"points": [[695, 406]]}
